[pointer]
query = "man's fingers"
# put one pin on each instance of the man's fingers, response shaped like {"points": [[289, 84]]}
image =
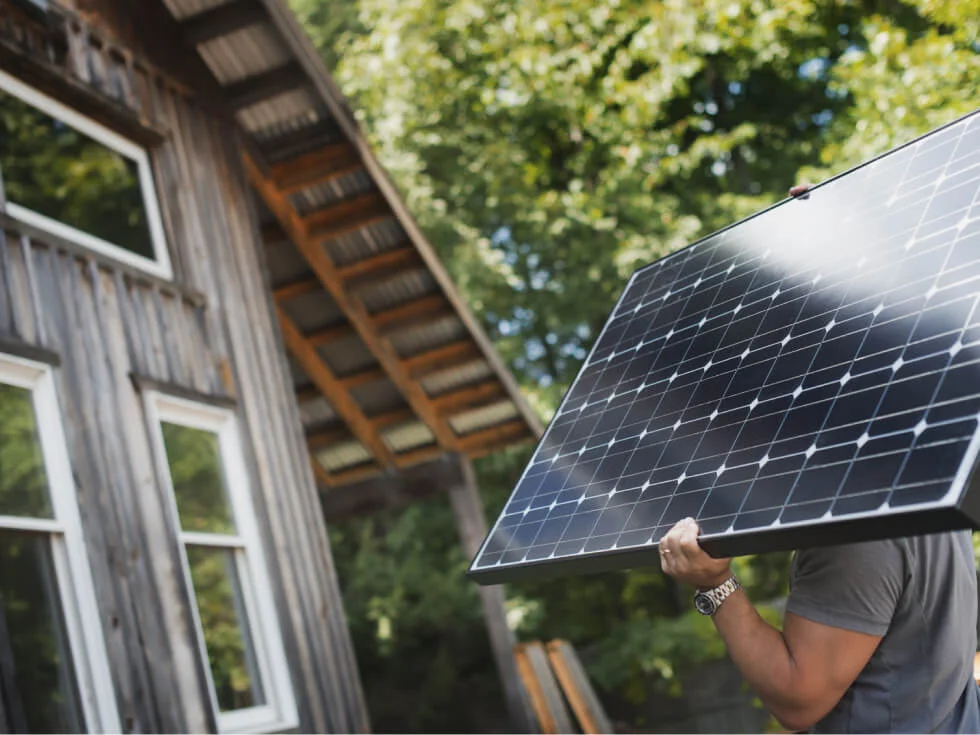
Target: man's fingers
{"points": [[799, 190]]}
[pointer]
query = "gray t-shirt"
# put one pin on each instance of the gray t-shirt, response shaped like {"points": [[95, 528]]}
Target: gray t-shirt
{"points": [[920, 594]]}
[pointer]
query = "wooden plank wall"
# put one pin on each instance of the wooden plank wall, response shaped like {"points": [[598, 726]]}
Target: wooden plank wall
{"points": [[211, 332]]}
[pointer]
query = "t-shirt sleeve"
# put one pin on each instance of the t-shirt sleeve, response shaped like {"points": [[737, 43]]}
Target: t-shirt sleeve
{"points": [[854, 586]]}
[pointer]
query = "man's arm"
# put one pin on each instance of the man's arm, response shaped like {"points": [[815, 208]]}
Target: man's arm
{"points": [[799, 674]]}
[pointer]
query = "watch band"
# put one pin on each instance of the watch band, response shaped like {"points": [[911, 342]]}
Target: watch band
{"points": [[716, 596], [720, 593]]}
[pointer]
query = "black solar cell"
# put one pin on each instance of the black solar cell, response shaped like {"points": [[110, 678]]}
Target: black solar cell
{"points": [[809, 375]]}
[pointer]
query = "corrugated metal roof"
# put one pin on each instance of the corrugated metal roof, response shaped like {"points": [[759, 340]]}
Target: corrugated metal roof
{"points": [[275, 112], [313, 311], [347, 355], [428, 336], [407, 286], [343, 187], [378, 397], [343, 455], [484, 417], [285, 263], [445, 381], [316, 412], [376, 238], [408, 436], [186, 8], [305, 119], [245, 53]]}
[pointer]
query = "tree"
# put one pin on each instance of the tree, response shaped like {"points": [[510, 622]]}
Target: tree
{"points": [[548, 147]]}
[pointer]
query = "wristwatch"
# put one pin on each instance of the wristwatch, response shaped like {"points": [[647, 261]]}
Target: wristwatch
{"points": [[707, 602]]}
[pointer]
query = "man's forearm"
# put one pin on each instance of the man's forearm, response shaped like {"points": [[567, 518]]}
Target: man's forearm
{"points": [[762, 656]]}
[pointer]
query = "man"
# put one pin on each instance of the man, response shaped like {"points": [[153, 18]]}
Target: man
{"points": [[877, 636]]}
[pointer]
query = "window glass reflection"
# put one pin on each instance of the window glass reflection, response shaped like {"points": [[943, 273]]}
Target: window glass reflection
{"points": [[221, 607], [38, 679], [198, 479], [57, 171], [23, 481]]}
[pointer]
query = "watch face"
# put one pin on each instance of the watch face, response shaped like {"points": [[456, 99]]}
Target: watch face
{"points": [[703, 604]]}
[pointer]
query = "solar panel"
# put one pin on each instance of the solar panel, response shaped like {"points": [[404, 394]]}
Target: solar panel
{"points": [[810, 375]]}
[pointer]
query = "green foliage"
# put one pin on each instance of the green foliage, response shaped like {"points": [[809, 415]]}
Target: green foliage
{"points": [[548, 147]]}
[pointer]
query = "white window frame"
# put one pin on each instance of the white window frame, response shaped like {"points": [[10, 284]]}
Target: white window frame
{"points": [[279, 711], [74, 577], [160, 265]]}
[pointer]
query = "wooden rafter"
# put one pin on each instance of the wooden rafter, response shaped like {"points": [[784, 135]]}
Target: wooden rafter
{"points": [[469, 396], [390, 418], [396, 258], [353, 308], [222, 20], [295, 288], [363, 377], [326, 437], [252, 90], [493, 438], [333, 390], [315, 167], [412, 311], [441, 358], [330, 334], [345, 216], [320, 473]]}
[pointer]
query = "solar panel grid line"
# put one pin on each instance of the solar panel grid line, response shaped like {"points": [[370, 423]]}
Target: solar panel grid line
{"points": [[814, 331], [612, 395], [735, 376], [858, 374]]}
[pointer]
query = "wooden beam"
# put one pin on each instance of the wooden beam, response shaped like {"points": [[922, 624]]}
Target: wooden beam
{"points": [[222, 20], [441, 358], [578, 689], [322, 476], [461, 399], [315, 167], [295, 142], [346, 216], [268, 84], [398, 416], [330, 334], [387, 260], [295, 288], [353, 308], [471, 524], [333, 390], [495, 437], [355, 474], [540, 684], [363, 377], [413, 311], [322, 438]]}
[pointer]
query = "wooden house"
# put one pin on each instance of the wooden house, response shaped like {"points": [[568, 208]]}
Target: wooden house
{"points": [[218, 324]]}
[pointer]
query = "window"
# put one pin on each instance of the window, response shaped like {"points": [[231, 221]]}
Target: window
{"points": [[69, 176], [224, 565], [54, 674]]}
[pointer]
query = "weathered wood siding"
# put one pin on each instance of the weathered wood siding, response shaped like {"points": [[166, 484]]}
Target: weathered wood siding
{"points": [[211, 331]]}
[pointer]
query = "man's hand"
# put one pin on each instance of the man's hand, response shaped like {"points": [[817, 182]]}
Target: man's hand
{"points": [[682, 558]]}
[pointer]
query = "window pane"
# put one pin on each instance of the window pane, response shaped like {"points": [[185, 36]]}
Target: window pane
{"points": [[42, 693], [221, 607], [198, 478], [59, 172], [23, 480]]}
